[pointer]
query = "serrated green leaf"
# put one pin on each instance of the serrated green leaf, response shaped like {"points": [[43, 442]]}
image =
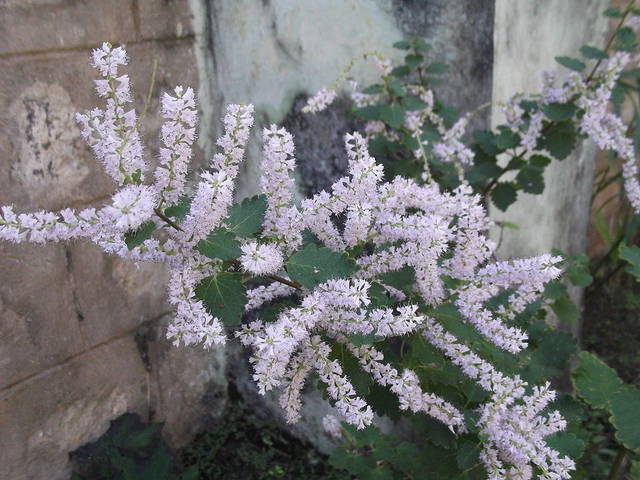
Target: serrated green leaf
{"points": [[221, 244], [507, 138], [566, 310], [588, 51], [503, 195], [560, 140], [560, 111], [224, 296], [137, 237], [468, 454], [393, 115], [595, 382], [404, 457], [401, 71], [487, 141], [420, 44], [567, 444], [312, 265], [571, 63], [414, 60], [531, 179], [437, 68], [370, 112], [579, 275], [625, 416], [245, 218]]}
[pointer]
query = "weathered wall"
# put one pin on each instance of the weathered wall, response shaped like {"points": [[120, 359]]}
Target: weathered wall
{"points": [[82, 334], [527, 37]]}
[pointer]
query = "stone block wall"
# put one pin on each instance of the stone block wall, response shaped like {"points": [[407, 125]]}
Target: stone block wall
{"points": [[81, 333]]}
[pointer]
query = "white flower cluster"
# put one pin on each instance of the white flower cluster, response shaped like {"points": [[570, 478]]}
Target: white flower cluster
{"points": [[395, 224]]}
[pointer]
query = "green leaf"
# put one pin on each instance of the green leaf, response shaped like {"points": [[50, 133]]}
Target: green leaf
{"points": [[631, 255], [245, 218], [437, 68], [402, 45], [588, 51], [555, 290], [405, 456], [401, 71], [530, 179], [634, 471], [401, 279], [488, 141], [414, 60], [468, 454], [560, 111], [420, 44], [507, 138], [571, 63], [137, 237], [221, 244], [613, 12], [224, 295], [560, 140], [579, 275], [393, 115], [503, 195], [373, 89], [180, 209], [411, 102], [370, 112], [566, 310], [567, 444], [595, 381], [625, 416], [539, 161], [396, 88], [312, 265], [505, 224], [625, 37]]}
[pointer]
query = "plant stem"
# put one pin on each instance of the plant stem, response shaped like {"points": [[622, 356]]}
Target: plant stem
{"points": [[167, 220], [276, 278], [618, 464]]}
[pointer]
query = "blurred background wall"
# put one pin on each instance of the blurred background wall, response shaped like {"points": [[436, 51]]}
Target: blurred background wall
{"points": [[82, 334]]}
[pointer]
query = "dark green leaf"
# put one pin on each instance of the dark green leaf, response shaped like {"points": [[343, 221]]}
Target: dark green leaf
{"points": [[393, 115], [566, 310], [245, 218], [136, 238], [560, 111], [555, 290], [539, 161], [613, 12], [571, 63], [411, 102], [437, 68], [395, 88], [530, 179], [507, 138], [374, 89], [487, 141], [625, 416], [180, 209], [559, 140], [567, 444], [414, 60], [221, 244], [503, 195], [224, 295], [634, 471], [401, 71], [468, 454], [588, 51], [400, 279], [595, 381], [625, 37], [312, 265], [579, 275], [370, 112], [631, 255], [402, 45]]}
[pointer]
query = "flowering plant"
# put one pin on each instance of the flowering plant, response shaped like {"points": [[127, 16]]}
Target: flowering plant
{"points": [[383, 280]]}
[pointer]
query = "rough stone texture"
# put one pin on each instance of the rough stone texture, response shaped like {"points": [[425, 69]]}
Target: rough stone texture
{"points": [[81, 333], [528, 35], [461, 34]]}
